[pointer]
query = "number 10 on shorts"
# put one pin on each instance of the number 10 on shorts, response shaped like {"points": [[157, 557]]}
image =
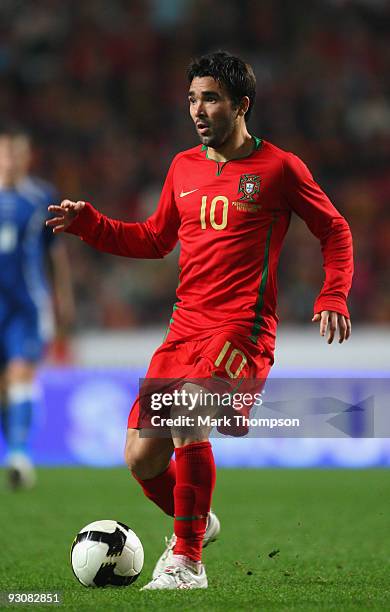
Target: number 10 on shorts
{"points": [[229, 351]]}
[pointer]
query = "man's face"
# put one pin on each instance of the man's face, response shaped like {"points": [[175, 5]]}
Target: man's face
{"points": [[14, 158], [212, 111]]}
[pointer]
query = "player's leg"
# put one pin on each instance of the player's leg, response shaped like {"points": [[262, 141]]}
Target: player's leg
{"points": [[195, 479], [3, 406], [3, 387], [150, 458], [23, 347], [150, 462], [180, 566], [19, 376], [231, 361]]}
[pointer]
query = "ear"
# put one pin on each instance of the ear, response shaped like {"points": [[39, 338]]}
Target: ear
{"points": [[243, 106]]}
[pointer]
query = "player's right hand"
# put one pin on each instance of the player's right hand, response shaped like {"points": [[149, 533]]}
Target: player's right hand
{"points": [[65, 214]]}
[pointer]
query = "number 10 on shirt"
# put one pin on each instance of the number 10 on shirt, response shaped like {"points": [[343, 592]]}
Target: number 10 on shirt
{"points": [[218, 200]]}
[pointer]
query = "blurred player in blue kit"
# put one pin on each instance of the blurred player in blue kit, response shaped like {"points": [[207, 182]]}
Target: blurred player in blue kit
{"points": [[28, 258]]}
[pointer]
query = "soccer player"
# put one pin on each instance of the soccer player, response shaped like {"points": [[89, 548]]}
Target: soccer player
{"points": [[26, 320], [228, 201]]}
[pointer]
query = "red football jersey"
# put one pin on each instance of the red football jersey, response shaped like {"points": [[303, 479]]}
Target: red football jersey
{"points": [[231, 218]]}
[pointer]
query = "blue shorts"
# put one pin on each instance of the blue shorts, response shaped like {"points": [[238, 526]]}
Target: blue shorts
{"points": [[20, 338]]}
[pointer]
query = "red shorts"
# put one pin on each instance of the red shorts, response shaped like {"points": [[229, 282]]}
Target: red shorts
{"points": [[228, 358]]}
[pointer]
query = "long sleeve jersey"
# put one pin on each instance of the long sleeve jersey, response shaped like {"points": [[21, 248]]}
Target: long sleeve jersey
{"points": [[230, 219]]}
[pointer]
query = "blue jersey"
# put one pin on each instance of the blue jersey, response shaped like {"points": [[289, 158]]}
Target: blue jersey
{"points": [[24, 241]]}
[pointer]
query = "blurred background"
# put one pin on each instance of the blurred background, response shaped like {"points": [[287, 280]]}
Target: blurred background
{"points": [[101, 87]]}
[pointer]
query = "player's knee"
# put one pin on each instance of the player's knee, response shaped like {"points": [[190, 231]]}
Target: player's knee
{"points": [[133, 457], [147, 457], [132, 452], [139, 462], [19, 371]]}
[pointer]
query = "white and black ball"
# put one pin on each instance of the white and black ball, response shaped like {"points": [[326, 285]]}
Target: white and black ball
{"points": [[106, 553]]}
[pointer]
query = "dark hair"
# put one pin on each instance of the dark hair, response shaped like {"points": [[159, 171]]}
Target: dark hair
{"points": [[229, 71], [13, 130]]}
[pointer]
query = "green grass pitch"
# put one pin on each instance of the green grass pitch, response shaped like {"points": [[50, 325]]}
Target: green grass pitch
{"points": [[290, 540]]}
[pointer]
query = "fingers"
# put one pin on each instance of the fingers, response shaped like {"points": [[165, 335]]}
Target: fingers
{"points": [[324, 322], [332, 326], [66, 205], [330, 321], [349, 328], [58, 228], [57, 224], [54, 208], [342, 328], [54, 221], [65, 213]]}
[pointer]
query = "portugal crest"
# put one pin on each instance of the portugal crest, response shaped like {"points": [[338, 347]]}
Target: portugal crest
{"points": [[249, 187]]}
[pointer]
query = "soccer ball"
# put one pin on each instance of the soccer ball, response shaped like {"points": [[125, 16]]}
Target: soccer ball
{"points": [[106, 553]]}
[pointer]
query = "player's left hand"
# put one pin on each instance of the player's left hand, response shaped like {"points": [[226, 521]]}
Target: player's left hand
{"points": [[332, 321]]}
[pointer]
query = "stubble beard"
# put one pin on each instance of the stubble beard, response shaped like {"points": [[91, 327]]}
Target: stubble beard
{"points": [[217, 138]]}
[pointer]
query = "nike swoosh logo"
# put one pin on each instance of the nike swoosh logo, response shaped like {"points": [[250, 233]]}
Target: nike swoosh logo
{"points": [[186, 193]]}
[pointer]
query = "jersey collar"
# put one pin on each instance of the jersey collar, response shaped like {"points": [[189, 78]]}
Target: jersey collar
{"points": [[221, 165], [258, 143]]}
